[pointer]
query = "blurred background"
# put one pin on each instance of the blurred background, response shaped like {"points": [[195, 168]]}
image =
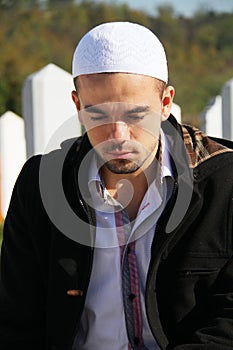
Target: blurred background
{"points": [[197, 35]]}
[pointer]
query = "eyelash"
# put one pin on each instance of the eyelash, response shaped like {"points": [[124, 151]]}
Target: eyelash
{"points": [[132, 117], [98, 118], [136, 117]]}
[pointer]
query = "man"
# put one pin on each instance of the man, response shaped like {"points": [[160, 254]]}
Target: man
{"points": [[121, 239]]}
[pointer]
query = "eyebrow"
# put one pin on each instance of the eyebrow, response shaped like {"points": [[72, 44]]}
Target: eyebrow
{"points": [[93, 109], [137, 109]]}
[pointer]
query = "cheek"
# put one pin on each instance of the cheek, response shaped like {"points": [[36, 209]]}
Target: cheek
{"points": [[148, 139], [96, 136], [150, 143], [149, 131]]}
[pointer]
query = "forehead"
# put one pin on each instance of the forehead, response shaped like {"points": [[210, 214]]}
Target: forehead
{"points": [[116, 87]]}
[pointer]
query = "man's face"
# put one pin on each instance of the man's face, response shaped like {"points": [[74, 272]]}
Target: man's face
{"points": [[122, 115]]}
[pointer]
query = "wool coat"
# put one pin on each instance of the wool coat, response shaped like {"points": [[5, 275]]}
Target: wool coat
{"points": [[48, 247]]}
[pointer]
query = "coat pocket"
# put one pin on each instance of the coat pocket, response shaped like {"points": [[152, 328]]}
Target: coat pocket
{"points": [[190, 272]]}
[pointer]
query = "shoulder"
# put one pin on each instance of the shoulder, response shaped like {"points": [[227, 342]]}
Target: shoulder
{"points": [[29, 172], [202, 148], [67, 153]]}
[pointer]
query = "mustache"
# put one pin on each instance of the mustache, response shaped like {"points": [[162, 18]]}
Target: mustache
{"points": [[120, 147]]}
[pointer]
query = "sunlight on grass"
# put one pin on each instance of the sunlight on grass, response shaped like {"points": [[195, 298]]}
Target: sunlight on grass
{"points": [[1, 227]]}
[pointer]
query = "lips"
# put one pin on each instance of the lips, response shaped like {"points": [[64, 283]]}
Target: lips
{"points": [[120, 155]]}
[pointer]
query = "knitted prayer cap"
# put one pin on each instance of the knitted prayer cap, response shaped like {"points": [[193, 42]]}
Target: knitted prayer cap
{"points": [[122, 47]]}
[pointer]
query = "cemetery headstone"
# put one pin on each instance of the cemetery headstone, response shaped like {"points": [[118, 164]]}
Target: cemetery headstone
{"points": [[47, 106], [227, 110], [211, 117], [12, 155]]}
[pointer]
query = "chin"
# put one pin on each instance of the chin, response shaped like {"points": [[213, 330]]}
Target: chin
{"points": [[122, 166]]}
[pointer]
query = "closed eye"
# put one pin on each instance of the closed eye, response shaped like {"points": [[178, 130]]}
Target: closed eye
{"points": [[135, 117], [98, 118]]}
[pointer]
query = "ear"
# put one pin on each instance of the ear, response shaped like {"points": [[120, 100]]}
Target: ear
{"points": [[167, 99], [76, 101]]}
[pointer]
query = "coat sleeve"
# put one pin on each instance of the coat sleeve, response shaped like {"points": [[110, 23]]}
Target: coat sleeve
{"points": [[22, 291]]}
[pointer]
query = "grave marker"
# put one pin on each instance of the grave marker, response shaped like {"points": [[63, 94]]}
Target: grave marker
{"points": [[211, 117], [227, 110], [12, 155], [47, 105]]}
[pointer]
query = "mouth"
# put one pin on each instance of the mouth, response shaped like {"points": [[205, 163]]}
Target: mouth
{"points": [[120, 154]]}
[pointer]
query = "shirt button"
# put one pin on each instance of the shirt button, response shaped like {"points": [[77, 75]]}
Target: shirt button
{"points": [[128, 250], [131, 296]]}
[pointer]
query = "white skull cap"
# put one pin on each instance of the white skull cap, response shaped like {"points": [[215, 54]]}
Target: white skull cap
{"points": [[121, 47]]}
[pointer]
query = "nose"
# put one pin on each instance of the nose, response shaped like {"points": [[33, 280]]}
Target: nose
{"points": [[120, 130]]}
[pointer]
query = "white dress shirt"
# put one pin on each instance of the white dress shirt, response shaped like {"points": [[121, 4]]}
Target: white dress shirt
{"points": [[103, 323]]}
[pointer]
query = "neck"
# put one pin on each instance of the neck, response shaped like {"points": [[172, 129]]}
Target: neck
{"points": [[129, 189]]}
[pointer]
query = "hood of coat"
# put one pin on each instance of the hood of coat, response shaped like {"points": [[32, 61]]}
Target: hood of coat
{"points": [[201, 147]]}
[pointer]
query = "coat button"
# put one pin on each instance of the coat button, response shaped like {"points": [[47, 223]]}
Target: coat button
{"points": [[75, 292], [131, 296]]}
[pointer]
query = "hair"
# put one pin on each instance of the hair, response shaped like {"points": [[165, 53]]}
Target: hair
{"points": [[159, 84]]}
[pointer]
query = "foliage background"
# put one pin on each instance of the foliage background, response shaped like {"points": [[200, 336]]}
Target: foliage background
{"points": [[34, 33]]}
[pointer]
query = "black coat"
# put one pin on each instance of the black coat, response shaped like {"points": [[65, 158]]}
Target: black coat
{"points": [[189, 292]]}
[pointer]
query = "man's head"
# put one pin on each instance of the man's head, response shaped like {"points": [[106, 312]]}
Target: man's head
{"points": [[120, 74]]}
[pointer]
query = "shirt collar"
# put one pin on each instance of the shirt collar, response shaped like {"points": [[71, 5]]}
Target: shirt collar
{"points": [[166, 167]]}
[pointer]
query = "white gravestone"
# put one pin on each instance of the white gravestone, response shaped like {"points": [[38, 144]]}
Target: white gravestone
{"points": [[176, 111], [12, 155], [227, 109], [49, 112], [211, 117]]}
